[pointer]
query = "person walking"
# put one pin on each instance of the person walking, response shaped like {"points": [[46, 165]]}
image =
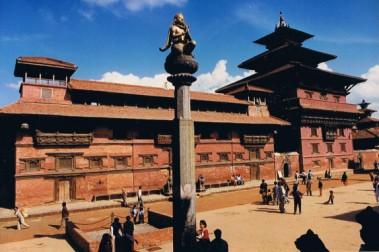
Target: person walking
{"points": [[20, 219], [139, 196], [320, 185], [275, 193], [263, 190], [218, 244], [134, 213], [65, 214], [309, 187], [331, 198], [297, 195], [344, 178], [129, 235], [124, 195], [281, 197]]}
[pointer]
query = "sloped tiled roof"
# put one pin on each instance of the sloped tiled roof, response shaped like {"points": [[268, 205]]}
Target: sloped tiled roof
{"points": [[87, 85], [120, 112]]}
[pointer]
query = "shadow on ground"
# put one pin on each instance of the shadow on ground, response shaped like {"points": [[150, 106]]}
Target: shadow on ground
{"points": [[350, 216]]}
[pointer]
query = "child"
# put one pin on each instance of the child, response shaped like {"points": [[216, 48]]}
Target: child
{"points": [[331, 198], [320, 185], [141, 215]]}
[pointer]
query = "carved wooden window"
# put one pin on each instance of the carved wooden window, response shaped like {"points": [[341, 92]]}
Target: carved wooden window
{"points": [[147, 160], [238, 156], [204, 157], [341, 132], [95, 162], [120, 162], [308, 94], [223, 156], [315, 148], [32, 164], [316, 163], [254, 153], [329, 147], [46, 93], [343, 147], [65, 162], [314, 131]]}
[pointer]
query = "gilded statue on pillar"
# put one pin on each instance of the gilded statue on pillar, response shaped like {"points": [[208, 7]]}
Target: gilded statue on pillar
{"points": [[180, 59]]}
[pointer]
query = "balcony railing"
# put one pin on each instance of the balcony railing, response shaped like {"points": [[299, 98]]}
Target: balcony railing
{"points": [[49, 82]]}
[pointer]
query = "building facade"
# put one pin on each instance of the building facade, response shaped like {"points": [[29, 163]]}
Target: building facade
{"points": [[311, 99], [68, 139]]}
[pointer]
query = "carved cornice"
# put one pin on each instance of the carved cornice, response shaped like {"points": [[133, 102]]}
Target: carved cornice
{"points": [[62, 139], [255, 139]]}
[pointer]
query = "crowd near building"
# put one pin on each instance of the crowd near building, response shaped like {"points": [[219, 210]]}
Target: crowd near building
{"points": [[69, 139]]}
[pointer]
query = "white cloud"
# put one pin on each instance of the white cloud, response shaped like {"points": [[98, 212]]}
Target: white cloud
{"points": [[102, 3], [135, 5], [368, 90], [158, 80], [217, 78], [13, 85], [324, 66], [210, 81]]}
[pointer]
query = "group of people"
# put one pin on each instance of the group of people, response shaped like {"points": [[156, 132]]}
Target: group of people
{"points": [[121, 236], [124, 196], [203, 241], [237, 180]]}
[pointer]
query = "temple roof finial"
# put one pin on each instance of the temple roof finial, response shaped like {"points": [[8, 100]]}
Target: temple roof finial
{"points": [[281, 22]]}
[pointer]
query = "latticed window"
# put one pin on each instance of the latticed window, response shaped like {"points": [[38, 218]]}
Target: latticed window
{"points": [[65, 162], [204, 157], [147, 160], [343, 147], [223, 156], [315, 149], [32, 164], [313, 131], [120, 162], [95, 162], [329, 147], [238, 156]]}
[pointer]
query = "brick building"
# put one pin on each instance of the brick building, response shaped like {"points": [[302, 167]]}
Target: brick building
{"points": [[366, 138], [311, 99], [69, 139]]}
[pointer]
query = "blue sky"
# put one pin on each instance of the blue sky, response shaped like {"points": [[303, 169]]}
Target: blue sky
{"points": [[118, 40]]}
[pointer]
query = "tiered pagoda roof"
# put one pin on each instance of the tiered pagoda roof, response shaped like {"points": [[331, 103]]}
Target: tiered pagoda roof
{"points": [[286, 62]]}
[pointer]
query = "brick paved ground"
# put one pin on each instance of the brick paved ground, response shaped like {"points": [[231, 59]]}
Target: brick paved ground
{"points": [[46, 226]]}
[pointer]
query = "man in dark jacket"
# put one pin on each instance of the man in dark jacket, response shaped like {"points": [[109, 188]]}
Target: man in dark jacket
{"points": [[218, 244]]}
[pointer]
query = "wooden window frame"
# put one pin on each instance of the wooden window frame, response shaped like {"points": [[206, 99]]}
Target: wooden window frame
{"points": [[343, 147], [144, 157], [238, 156], [93, 160], [337, 98], [315, 148], [314, 132], [204, 154], [57, 158], [341, 132], [329, 147], [46, 89], [222, 155], [308, 94], [126, 160]]}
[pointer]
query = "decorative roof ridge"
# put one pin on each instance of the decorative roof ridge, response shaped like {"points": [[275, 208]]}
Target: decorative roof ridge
{"points": [[29, 60]]}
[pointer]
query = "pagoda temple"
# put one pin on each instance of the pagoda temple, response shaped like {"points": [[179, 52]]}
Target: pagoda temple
{"points": [[312, 99]]}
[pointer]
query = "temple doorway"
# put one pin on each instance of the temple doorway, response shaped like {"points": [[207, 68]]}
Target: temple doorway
{"points": [[286, 170], [254, 172], [63, 190]]}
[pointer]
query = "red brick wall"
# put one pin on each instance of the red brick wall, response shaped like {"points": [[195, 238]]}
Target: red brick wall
{"points": [[34, 191], [368, 157], [32, 93]]}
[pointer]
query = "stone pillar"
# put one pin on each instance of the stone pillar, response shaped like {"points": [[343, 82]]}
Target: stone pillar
{"points": [[183, 173]]}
